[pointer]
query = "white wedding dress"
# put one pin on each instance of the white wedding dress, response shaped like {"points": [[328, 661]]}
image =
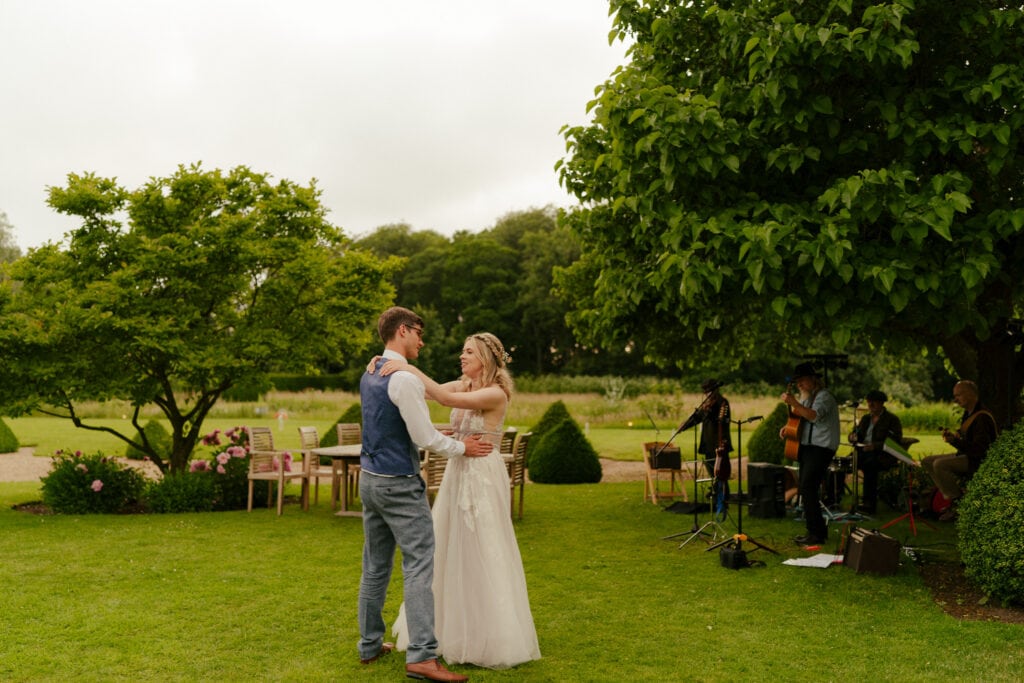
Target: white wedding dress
{"points": [[482, 610]]}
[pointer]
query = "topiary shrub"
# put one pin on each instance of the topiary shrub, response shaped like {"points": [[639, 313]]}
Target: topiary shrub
{"points": [[990, 519], [764, 444], [159, 438], [551, 418], [181, 492], [354, 413], [82, 484], [8, 441], [564, 456]]}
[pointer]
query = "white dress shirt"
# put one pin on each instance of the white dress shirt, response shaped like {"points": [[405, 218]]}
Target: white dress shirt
{"points": [[407, 392]]}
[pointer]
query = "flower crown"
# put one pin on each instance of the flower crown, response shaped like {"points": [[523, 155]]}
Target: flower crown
{"points": [[496, 350]]}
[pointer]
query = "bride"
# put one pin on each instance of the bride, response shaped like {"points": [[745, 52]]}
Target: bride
{"points": [[482, 611]]}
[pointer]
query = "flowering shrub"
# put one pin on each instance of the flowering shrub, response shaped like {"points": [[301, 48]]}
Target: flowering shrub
{"points": [[80, 484], [181, 492], [229, 469]]}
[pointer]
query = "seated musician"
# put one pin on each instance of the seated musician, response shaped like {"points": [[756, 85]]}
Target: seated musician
{"points": [[977, 431], [872, 431]]}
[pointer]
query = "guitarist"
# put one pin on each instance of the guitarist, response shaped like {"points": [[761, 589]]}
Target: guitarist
{"points": [[715, 442], [818, 436], [978, 429]]}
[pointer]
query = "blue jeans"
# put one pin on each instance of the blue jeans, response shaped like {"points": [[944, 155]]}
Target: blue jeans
{"points": [[396, 513]]}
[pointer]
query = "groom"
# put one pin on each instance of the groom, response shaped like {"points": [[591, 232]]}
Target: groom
{"points": [[395, 508]]}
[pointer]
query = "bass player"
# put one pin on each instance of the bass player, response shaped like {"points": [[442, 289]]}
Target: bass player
{"points": [[818, 438]]}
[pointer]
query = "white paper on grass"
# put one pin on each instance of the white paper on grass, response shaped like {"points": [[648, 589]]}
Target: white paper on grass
{"points": [[821, 560]]}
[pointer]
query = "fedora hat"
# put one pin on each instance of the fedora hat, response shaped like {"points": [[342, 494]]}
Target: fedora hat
{"points": [[710, 384], [805, 370]]}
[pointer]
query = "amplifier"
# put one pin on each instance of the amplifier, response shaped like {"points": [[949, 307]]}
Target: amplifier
{"points": [[872, 551], [669, 458], [767, 489]]}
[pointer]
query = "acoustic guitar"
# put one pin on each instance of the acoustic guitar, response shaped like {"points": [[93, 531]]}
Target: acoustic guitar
{"points": [[791, 432]]}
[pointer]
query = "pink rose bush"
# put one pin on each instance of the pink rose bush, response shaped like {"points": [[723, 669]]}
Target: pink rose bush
{"points": [[84, 484]]}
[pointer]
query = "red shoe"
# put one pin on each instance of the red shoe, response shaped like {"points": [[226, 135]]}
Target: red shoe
{"points": [[432, 670]]}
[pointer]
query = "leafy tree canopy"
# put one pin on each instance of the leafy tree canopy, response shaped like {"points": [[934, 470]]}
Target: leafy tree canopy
{"points": [[761, 171], [9, 249], [173, 293]]}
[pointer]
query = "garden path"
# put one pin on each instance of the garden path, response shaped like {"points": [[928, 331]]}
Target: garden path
{"points": [[26, 466]]}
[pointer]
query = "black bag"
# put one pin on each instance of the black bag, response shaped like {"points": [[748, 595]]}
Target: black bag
{"points": [[733, 557]]}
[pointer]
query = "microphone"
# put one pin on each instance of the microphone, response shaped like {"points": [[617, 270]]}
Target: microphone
{"points": [[754, 419], [653, 423]]}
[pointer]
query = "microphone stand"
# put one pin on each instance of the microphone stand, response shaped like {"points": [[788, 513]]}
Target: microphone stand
{"points": [[737, 540]]}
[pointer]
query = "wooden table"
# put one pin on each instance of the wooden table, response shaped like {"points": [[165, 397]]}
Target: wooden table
{"points": [[342, 455]]}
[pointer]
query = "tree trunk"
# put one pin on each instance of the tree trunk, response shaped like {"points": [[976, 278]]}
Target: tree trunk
{"points": [[997, 365]]}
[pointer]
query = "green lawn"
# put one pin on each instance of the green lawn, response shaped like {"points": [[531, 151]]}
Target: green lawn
{"points": [[251, 596]]}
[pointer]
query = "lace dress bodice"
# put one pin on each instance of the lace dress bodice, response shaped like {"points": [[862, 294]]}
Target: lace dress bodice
{"points": [[465, 422]]}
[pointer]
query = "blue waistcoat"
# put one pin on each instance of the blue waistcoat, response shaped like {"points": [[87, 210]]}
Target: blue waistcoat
{"points": [[387, 446]]}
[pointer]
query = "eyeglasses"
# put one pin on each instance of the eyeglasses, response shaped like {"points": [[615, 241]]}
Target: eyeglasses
{"points": [[417, 330]]}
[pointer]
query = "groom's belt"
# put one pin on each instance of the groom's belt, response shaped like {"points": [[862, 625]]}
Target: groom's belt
{"points": [[389, 476]]}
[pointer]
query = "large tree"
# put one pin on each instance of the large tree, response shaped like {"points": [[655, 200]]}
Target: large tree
{"points": [[170, 294], [762, 171], [9, 249]]}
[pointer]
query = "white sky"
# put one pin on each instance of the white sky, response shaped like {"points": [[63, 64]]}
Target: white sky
{"points": [[440, 113]]}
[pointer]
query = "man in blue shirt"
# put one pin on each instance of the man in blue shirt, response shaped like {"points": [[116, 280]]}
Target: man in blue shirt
{"points": [[819, 439]]}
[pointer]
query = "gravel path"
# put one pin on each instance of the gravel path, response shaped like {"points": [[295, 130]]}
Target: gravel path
{"points": [[26, 466]]}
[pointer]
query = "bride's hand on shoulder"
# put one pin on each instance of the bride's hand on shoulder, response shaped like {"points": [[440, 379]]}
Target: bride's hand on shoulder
{"points": [[372, 365], [393, 365]]}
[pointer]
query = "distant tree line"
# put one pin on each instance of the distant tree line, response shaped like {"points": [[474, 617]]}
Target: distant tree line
{"points": [[498, 280]]}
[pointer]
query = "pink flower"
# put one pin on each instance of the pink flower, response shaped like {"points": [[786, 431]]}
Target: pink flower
{"points": [[97, 485], [221, 470], [223, 458], [287, 462], [198, 466], [212, 439], [236, 452], [78, 454], [81, 467]]}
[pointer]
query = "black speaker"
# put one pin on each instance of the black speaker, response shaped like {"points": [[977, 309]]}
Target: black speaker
{"points": [[670, 458], [767, 484]]}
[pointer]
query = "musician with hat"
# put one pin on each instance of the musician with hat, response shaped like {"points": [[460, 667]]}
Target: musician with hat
{"points": [[715, 442], [818, 436], [869, 438]]}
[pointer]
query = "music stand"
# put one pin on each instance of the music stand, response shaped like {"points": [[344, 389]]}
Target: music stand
{"points": [[738, 538], [898, 452]]}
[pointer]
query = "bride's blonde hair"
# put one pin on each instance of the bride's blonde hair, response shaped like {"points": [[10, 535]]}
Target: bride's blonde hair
{"points": [[494, 359]]}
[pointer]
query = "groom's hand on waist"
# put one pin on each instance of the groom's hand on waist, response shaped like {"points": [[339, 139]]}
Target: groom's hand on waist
{"points": [[475, 447]]}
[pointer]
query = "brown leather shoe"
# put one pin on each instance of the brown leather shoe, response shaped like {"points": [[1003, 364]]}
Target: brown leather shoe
{"points": [[432, 670], [385, 649]]}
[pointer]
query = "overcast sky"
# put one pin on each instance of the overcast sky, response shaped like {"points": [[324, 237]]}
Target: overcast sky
{"points": [[440, 113]]}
